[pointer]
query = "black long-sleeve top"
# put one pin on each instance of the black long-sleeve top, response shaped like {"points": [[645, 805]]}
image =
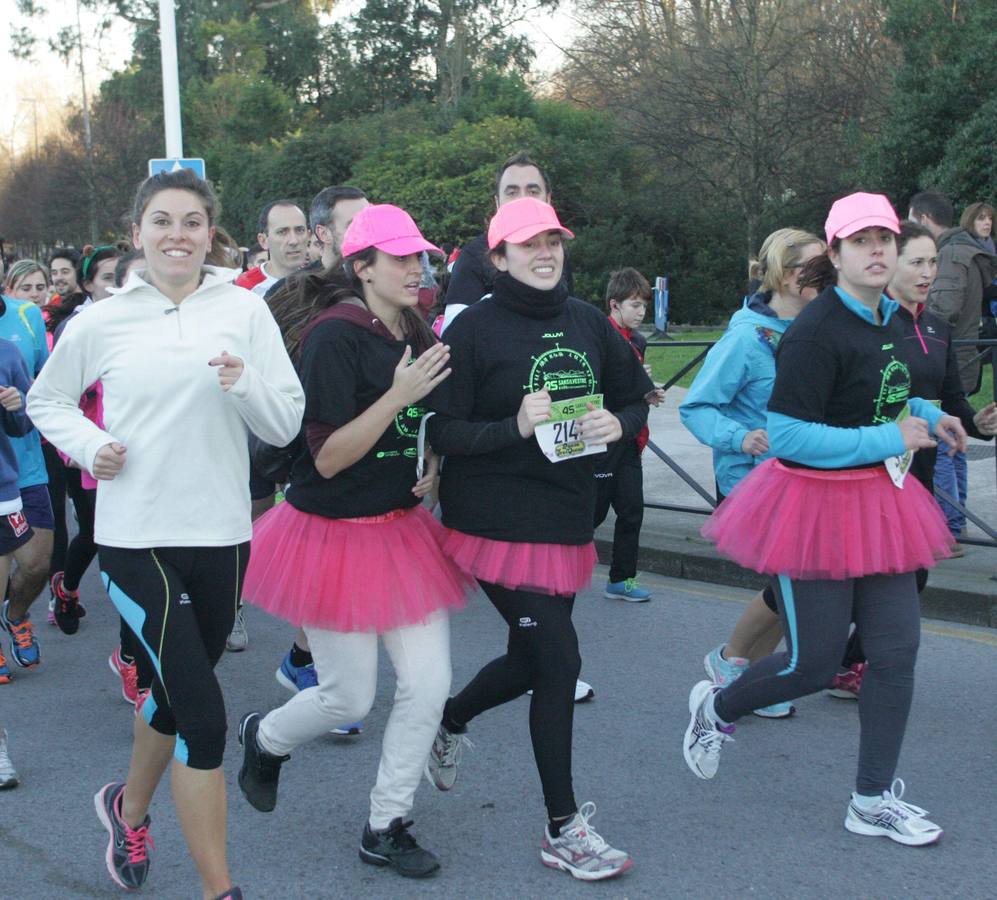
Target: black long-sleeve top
{"points": [[934, 375], [496, 484]]}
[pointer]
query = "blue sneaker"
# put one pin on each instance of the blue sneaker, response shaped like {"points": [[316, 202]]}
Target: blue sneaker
{"points": [[23, 646], [626, 590], [724, 672], [297, 678]]}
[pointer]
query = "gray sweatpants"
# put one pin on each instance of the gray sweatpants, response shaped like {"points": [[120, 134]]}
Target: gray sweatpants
{"points": [[816, 616]]}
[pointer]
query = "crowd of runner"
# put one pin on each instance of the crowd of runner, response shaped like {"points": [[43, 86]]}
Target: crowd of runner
{"points": [[384, 434]]}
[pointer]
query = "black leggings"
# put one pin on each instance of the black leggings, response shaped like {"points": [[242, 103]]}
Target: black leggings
{"points": [[82, 549], [56, 470], [816, 616], [542, 655], [181, 603]]}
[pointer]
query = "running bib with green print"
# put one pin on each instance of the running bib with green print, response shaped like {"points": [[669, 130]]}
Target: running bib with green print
{"points": [[558, 438]]}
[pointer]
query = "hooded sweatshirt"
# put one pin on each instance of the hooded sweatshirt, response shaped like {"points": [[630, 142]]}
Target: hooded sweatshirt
{"points": [[965, 268], [730, 395], [185, 481]]}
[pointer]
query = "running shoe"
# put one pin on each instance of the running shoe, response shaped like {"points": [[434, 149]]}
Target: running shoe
{"points": [[444, 757], [23, 646], [127, 672], [723, 671], [297, 678], [51, 611], [8, 774], [396, 847], [705, 736], [260, 770], [233, 893], [846, 685], [583, 691], [5, 673], [891, 817], [127, 854], [67, 605], [238, 640], [628, 590], [581, 852]]}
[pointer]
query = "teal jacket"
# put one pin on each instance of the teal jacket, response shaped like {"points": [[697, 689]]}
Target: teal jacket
{"points": [[730, 395]]}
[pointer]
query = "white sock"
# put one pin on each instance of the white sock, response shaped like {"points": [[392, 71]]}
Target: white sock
{"points": [[865, 801]]}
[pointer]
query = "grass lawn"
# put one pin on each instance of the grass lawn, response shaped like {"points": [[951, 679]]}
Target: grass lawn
{"points": [[665, 361]]}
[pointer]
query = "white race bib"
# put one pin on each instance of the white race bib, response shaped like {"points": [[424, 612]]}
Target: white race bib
{"points": [[558, 438]]}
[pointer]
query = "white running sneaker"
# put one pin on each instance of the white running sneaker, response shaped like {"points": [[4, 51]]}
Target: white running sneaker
{"points": [[8, 774], [441, 767], [705, 736], [583, 691], [892, 818], [581, 852], [238, 640]]}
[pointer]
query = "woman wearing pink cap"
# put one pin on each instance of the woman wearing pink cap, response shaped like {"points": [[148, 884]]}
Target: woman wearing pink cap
{"points": [[519, 521], [846, 530], [352, 555]]}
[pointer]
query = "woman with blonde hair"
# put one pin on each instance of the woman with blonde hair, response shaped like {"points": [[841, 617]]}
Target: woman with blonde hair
{"points": [[726, 408], [27, 280]]}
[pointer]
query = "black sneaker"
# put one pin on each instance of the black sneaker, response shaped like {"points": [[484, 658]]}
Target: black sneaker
{"points": [[127, 854], [67, 605], [233, 893], [397, 848], [260, 770]]}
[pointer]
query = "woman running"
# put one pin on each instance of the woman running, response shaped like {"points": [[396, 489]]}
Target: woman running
{"points": [[189, 365], [519, 522], [934, 375], [352, 555], [844, 530], [96, 275], [725, 409]]}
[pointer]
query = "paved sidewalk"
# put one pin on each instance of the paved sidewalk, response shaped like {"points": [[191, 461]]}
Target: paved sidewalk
{"points": [[959, 590]]}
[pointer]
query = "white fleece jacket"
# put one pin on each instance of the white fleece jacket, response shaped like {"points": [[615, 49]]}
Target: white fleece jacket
{"points": [[185, 482]]}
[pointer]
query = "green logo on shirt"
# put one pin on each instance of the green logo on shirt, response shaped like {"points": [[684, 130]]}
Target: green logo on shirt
{"points": [[894, 390], [561, 370]]}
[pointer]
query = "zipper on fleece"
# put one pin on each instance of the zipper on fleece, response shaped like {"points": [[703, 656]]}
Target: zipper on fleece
{"points": [[917, 331], [176, 310]]}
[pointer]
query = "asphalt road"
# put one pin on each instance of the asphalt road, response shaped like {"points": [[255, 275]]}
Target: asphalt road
{"points": [[769, 824]]}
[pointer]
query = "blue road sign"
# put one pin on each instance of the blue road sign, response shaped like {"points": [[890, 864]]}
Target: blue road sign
{"points": [[661, 304], [173, 165]]}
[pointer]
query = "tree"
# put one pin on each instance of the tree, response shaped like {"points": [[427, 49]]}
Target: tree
{"points": [[941, 127], [749, 101]]}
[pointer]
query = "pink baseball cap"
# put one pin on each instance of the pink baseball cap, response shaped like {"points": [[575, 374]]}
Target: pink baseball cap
{"points": [[858, 211], [387, 227], [522, 219]]}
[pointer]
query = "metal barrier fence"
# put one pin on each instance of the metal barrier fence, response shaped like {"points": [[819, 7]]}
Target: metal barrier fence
{"points": [[989, 349]]}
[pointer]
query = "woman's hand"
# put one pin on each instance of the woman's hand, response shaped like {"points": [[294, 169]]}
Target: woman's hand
{"points": [[950, 430], [230, 371], [914, 431], [109, 461], [599, 426], [427, 484], [655, 397], [755, 442], [986, 419], [10, 399], [414, 380], [533, 411]]}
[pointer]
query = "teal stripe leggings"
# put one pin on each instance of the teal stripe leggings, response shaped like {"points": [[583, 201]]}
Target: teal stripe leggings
{"points": [[816, 617]]}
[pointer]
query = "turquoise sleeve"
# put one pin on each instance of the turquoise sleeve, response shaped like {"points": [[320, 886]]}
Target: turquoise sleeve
{"points": [[829, 447], [925, 409]]}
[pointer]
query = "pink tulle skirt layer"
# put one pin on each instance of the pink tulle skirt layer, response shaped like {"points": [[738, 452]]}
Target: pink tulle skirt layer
{"points": [[541, 568], [817, 524], [371, 574]]}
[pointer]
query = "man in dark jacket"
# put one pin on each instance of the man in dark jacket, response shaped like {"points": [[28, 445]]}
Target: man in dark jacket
{"points": [[965, 269]]}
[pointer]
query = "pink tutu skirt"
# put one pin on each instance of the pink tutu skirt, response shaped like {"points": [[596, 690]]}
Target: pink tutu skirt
{"points": [[370, 574], [818, 524], [541, 568]]}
